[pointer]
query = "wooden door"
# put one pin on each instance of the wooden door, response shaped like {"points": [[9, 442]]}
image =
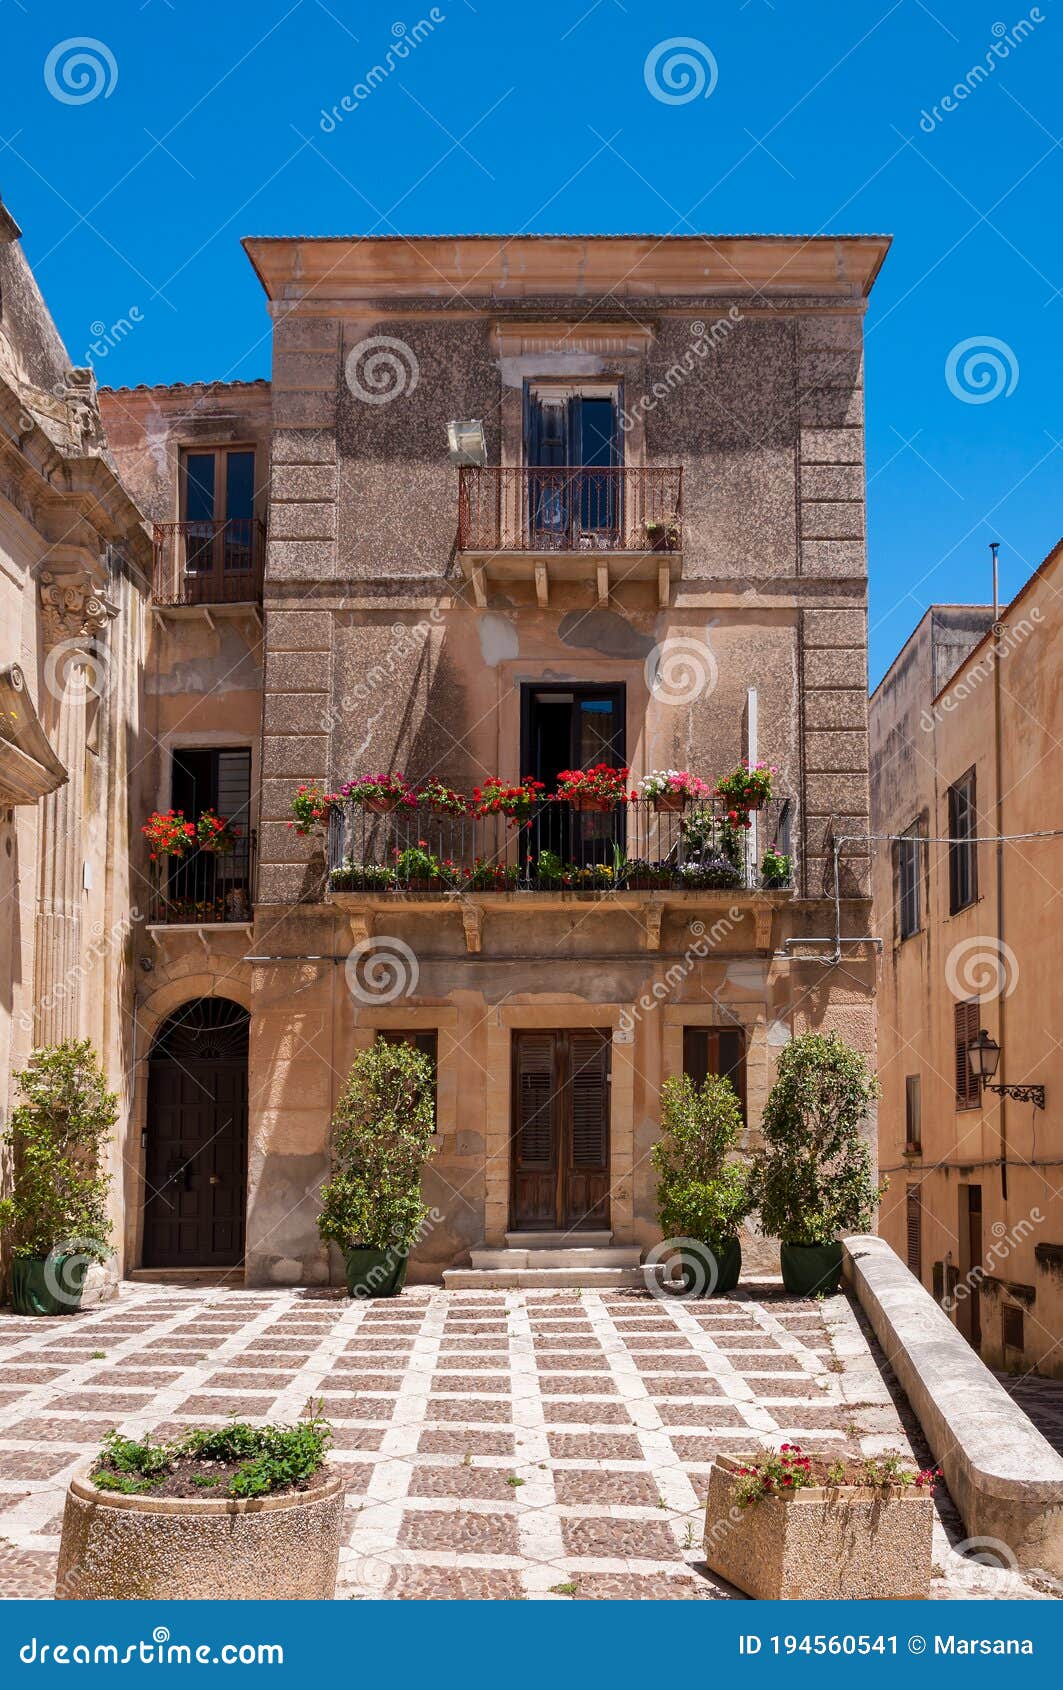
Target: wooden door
{"points": [[196, 1138], [560, 1137]]}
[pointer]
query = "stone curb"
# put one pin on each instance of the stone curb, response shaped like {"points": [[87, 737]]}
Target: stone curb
{"points": [[1005, 1478]]}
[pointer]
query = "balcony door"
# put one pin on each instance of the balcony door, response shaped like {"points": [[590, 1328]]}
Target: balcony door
{"points": [[572, 727], [573, 448], [560, 1137], [209, 886], [218, 506]]}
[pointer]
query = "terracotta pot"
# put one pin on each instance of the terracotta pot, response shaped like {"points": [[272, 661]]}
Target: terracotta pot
{"points": [[666, 802], [380, 806], [592, 806], [145, 1548]]}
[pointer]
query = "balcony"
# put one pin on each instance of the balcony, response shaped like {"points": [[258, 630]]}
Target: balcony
{"points": [[200, 565], [204, 888], [575, 524], [632, 856]]}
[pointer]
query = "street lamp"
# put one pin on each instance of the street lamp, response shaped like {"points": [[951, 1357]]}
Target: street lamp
{"points": [[983, 1053]]}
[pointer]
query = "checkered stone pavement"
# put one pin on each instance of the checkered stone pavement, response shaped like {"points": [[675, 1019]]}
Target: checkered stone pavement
{"points": [[495, 1444]]}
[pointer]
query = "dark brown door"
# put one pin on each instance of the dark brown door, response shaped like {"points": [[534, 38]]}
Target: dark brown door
{"points": [[196, 1138], [560, 1145]]}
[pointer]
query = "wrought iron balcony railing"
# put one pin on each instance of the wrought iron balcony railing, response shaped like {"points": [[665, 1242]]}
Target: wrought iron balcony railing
{"points": [[204, 563], [205, 887], [557, 849], [569, 510]]}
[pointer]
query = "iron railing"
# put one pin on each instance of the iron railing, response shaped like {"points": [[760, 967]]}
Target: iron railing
{"points": [[569, 510], [204, 887], [209, 562], [631, 848]]}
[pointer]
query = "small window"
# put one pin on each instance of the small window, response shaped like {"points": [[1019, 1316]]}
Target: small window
{"points": [[909, 902], [1014, 1328], [913, 1127], [965, 1023], [716, 1050], [915, 1231], [963, 852], [426, 1040]]}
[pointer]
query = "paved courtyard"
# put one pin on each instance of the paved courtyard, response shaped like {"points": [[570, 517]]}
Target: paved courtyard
{"points": [[495, 1444]]}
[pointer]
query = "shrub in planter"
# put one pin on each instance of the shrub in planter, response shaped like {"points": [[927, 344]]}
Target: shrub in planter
{"points": [[381, 1138], [227, 1512], [56, 1216], [703, 1191], [813, 1177], [785, 1525]]}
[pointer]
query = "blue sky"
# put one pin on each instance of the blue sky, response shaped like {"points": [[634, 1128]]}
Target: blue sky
{"points": [[513, 117]]}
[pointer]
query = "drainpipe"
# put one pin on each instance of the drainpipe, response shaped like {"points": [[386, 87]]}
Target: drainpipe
{"points": [[998, 810]]}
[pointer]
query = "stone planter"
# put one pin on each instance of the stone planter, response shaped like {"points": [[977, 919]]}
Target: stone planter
{"points": [[848, 1543], [144, 1548]]}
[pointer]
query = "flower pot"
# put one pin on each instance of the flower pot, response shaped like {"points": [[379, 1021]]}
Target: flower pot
{"points": [[696, 1268], [839, 1544], [593, 806], [666, 803], [47, 1286], [145, 1548], [375, 1273], [810, 1270], [380, 806]]}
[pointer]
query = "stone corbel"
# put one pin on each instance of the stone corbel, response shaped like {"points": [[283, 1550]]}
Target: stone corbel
{"points": [[29, 768], [472, 919], [652, 918], [361, 926], [73, 605]]}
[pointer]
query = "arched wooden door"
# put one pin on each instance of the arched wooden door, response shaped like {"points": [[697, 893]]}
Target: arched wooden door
{"points": [[195, 1176]]}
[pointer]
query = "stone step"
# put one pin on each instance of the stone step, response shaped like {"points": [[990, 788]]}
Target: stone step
{"points": [[531, 1279], [558, 1240], [558, 1256]]}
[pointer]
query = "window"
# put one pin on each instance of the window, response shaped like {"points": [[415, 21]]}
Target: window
{"points": [[209, 885], [218, 509], [963, 853], [913, 1128], [426, 1040], [909, 902], [915, 1231], [716, 1050], [572, 727], [570, 429], [966, 1031], [213, 779]]}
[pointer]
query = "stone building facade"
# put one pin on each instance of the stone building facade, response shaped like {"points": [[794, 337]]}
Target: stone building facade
{"points": [[332, 596], [964, 727]]}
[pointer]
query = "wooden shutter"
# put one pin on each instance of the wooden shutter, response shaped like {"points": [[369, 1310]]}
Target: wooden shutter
{"points": [[965, 1021], [589, 1091], [915, 1232], [534, 1100]]}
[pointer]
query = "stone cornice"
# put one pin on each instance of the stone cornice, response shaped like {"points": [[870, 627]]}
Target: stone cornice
{"points": [[29, 768]]}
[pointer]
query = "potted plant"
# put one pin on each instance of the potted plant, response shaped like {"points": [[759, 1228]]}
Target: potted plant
{"points": [[662, 536], [599, 788], [441, 800], [362, 877], [216, 834], [311, 808], [813, 1177], [703, 1191], [671, 789], [498, 797], [381, 1138], [57, 1210], [639, 875], [380, 794], [776, 868], [232, 1512], [747, 788], [168, 833], [713, 872], [547, 870], [417, 869], [486, 876], [785, 1526]]}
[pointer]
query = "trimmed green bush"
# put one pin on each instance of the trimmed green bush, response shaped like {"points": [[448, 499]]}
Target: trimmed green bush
{"points": [[57, 1137], [381, 1138], [703, 1192]]}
